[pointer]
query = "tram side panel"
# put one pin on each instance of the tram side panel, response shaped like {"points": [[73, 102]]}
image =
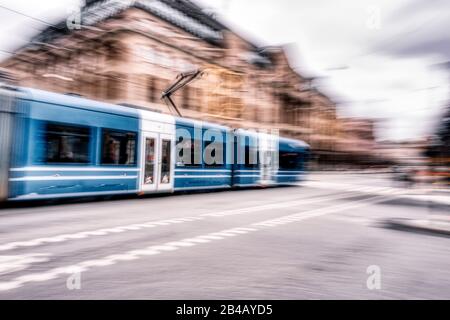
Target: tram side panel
{"points": [[72, 151], [293, 156], [66, 146], [246, 167], [193, 169], [8, 116]]}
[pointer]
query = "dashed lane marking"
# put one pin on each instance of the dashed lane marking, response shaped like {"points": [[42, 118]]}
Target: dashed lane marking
{"points": [[9, 264], [99, 232], [319, 212], [183, 243], [153, 224], [279, 205]]}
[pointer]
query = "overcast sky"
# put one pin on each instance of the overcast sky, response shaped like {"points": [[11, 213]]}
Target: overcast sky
{"points": [[378, 58]]}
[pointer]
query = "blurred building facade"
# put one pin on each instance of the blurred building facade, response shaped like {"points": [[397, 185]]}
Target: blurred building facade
{"points": [[438, 149], [131, 51], [406, 153]]}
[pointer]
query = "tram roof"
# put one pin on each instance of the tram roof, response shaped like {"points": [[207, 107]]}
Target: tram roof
{"points": [[77, 102]]}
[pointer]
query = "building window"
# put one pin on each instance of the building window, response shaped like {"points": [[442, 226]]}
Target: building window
{"points": [[118, 147], [197, 104], [112, 87], [151, 89], [66, 144], [186, 97]]}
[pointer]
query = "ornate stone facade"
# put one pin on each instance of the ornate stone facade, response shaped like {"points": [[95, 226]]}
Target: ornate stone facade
{"points": [[132, 52]]}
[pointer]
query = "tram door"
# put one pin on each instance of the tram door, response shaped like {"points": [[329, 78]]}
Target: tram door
{"points": [[268, 158], [266, 166], [6, 122], [157, 163]]}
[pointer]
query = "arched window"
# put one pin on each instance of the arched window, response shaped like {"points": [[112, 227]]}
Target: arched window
{"points": [[112, 87], [186, 98], [151, 89]]}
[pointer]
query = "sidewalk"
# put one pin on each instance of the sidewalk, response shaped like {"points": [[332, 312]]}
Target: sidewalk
{"points": [[352, 172], [425, 193]]}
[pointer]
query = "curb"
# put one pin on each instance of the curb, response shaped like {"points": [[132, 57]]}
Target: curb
{"points": [[429, 202], [418, 226], [431, 205]]}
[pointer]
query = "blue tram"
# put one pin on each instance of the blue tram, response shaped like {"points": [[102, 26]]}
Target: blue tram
{"points": [[55, 145]]}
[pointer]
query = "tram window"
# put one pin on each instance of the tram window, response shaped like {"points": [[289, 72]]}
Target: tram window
{"points": [[186, 145], [217, 154], [251, 157], [66, 144], [118, 147], [290, 160], [165, 161], [149, 161]]}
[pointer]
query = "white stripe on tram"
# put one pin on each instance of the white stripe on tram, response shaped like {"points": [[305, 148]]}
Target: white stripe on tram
{"points": [[205, 176], [201, 170], [248, 176], [65, 178], [204, 187], [33, 169]]}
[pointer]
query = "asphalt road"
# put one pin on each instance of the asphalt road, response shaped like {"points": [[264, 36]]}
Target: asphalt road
{"points": [[309, 242]]}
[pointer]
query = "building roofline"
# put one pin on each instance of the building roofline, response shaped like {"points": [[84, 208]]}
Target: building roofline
{"points": [[191, 17]]}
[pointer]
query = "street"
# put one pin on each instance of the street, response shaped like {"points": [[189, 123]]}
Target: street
{"points": [[314, 241]]}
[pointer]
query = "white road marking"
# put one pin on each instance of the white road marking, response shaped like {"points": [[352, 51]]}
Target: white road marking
{"points": [[196, 240], [224, 234], [320, 212], [277, 205], [9, 264], [181, 244], [401, 193], [99, 232], [211, 237], [190, 242], [152, 224]]}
